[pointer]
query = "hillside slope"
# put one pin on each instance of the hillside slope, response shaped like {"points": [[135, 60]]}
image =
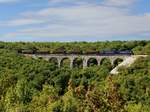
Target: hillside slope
{"points": [[28, 85], [126, 63]]}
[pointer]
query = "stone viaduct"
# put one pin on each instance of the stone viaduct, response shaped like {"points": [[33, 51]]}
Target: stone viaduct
{"points": [[72, 57]]}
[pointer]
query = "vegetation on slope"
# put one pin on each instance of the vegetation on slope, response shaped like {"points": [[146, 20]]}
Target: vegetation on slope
{"points": [[29, 85]]}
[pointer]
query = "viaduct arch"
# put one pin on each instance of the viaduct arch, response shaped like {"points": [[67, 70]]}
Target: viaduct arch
{"points": [[85, 60]]}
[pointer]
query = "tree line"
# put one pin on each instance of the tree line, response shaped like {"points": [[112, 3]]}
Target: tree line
{"points": [[138, 47]]}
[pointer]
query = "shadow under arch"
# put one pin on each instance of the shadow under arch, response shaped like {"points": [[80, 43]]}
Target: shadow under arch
{"points": [[92, 62], [40, 58], [117, 61], [78, 63], [54, 61], [105, 62], [65, 62]]}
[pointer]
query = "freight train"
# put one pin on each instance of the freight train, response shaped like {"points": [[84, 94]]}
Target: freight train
{"points": [[102, 53]]}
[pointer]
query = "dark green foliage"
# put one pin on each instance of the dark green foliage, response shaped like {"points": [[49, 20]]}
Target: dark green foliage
{"points": [[92, 62], [29, 85], [78, 63]]}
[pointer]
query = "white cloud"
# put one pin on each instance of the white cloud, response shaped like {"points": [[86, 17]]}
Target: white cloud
{"points": [[119, 2], [75, 2], [58, 1], [103, 2], [20, 22], [80, 21], [69, 1]]}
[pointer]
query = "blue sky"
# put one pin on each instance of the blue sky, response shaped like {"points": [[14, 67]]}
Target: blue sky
{"points": [[74, 20]]}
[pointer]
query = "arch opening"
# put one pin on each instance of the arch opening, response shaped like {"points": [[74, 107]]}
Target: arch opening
{"points": [[92, 62], [117, 62], [54, 61], [78, 63], [65, 62], [40, 58], [106, 62]]}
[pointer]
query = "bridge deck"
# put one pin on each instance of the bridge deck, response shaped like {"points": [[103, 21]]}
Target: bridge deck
{"points": [[127, 59]]}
